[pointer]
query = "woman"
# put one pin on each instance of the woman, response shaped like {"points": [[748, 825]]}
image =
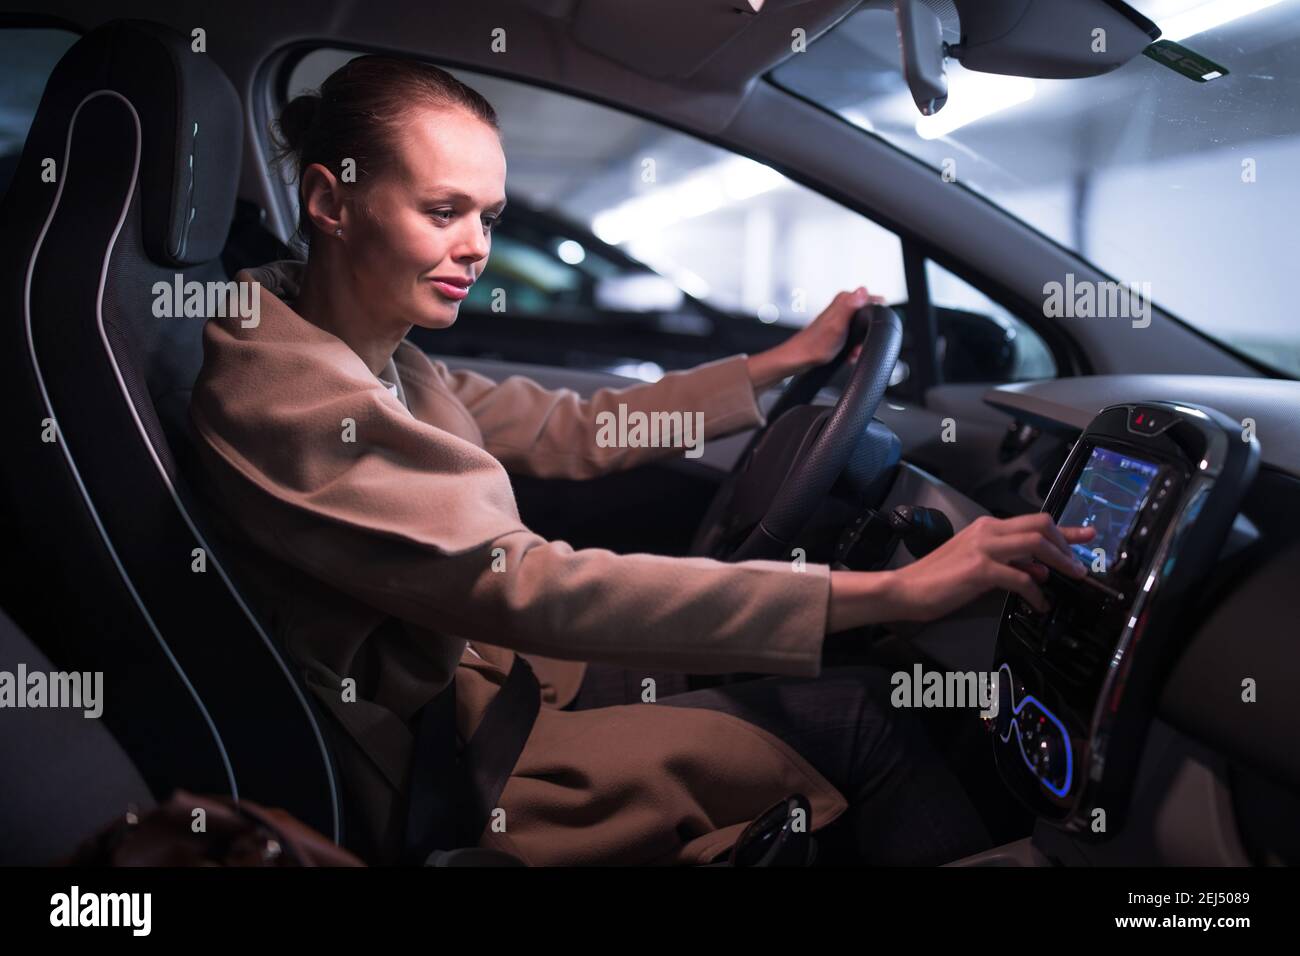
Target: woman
{"points": [[372, 483]]}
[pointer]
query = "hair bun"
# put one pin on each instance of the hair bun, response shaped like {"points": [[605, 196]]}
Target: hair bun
{"points": [[296, 120]]}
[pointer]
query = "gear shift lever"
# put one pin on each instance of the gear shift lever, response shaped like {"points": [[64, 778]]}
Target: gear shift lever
{"points": [[921, 529]]}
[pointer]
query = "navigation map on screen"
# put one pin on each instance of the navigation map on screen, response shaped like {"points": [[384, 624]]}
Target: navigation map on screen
{"points": [[1107, 496]]}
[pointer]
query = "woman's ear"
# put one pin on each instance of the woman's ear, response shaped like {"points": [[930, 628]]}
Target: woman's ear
{"points": [[321, 195]]}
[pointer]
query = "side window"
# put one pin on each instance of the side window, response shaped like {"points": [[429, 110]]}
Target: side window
{"points": [[616, 223], [979, 340], [558, 271], [27, 57]]}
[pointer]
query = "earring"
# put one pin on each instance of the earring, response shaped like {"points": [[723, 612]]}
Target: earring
{"points": [[339, 232]]}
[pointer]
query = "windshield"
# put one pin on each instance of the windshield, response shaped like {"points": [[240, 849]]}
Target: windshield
{"points": [[1153, 177]]}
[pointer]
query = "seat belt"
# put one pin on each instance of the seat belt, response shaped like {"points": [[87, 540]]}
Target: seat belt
{"points": [[451, 795]]}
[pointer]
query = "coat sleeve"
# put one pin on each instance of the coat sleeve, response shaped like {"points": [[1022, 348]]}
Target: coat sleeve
{"points": [[421, 524], [555, 433]]}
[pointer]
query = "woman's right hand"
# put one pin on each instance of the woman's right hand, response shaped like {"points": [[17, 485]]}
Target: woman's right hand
{"points": [[988, 554]]}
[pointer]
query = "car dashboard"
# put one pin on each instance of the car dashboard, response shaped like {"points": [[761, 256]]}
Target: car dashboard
{"points": [[1160, 484], [1162, 648]]}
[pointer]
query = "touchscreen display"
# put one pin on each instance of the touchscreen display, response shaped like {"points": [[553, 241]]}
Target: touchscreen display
{"points": [[1107, 497]]}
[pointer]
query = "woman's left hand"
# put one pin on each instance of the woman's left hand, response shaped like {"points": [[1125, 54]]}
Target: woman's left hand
{"points": [[815, 344]]}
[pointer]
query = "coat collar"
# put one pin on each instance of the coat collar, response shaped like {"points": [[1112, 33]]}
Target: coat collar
{"points": [[271, 398], [283, 279]]}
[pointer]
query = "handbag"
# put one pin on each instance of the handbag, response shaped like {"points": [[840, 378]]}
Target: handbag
{"points": [[226, 833]]}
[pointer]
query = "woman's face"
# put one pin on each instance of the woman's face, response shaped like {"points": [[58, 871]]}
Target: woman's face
{"points": [[420, 234]]}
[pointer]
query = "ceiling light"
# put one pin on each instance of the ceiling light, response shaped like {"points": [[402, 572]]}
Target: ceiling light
{"points": [[571, 252], [711, 187]]}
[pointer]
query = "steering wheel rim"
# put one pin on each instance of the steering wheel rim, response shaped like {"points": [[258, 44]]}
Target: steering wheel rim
{"points": [[810, 479]]}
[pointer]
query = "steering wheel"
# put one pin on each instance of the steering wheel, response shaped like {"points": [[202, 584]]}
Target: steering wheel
{"points": [[786, 471]]}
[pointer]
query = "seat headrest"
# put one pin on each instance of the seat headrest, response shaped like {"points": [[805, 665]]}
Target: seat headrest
{"points": [[191, 127]]}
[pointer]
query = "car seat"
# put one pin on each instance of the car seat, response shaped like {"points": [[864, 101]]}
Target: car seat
{"points": [[127, 179]]}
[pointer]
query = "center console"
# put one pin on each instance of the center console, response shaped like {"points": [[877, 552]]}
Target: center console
{"points": [[1161, 483]]}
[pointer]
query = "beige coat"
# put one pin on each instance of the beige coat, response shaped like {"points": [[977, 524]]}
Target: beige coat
{"points": [[373, 559]]}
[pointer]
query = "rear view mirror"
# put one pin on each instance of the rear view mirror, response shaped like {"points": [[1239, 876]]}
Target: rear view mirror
{"points": [[1047, 39], [920, 37]]}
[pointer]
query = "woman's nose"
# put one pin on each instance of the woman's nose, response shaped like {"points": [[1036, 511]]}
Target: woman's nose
{"points": [[474, 242]]}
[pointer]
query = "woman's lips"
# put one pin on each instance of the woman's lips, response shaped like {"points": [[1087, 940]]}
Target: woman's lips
{"points": [[454, 292]]}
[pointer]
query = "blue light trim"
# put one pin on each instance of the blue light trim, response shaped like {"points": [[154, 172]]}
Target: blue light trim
{"points": [[1020, 744]]}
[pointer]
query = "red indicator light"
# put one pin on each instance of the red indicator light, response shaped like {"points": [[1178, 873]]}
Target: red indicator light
{"points": [[1139, 418]]}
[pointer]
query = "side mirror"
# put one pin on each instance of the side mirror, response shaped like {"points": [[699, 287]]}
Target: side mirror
{"points": [[974, 347]]}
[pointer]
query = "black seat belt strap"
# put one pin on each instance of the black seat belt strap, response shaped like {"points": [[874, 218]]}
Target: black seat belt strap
{"points": [[452, 795], [432, 809], [492, 753]]}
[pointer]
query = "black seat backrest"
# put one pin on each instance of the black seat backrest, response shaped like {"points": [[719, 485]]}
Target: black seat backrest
{"points": [[145, 140]]}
